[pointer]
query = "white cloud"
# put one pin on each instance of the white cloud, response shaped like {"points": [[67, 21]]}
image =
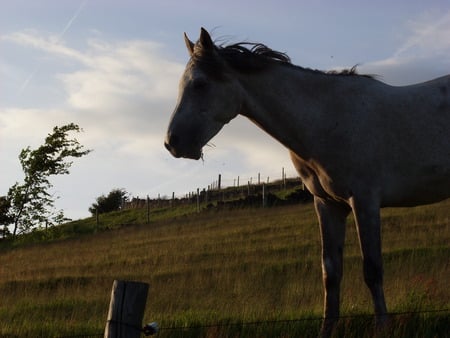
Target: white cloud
{"points": [[15, 123], [430, 37], [122, 72], [49, 43], [125, 88], [424, 55], [121, 93], [123, 68]]}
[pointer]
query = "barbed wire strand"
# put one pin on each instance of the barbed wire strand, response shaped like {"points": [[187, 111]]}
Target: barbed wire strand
{"points": [[275, 321], [261, 322]]}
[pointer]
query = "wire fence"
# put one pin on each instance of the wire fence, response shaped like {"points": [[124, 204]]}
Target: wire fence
{"points": [[221, 189], [223, 181], [283, 322]]}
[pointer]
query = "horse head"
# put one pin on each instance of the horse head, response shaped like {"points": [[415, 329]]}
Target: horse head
{"points": [[209, 97]]}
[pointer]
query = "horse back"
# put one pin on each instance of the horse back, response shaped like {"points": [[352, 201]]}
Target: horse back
{"points": [[416, 144], [393, 140]]}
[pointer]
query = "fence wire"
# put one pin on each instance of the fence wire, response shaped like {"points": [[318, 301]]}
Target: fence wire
{"points": [[222, 325]]}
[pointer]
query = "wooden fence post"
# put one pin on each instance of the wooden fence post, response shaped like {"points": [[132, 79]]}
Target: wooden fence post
{"points": [[263, 195], [198, 200], [126, 309], [148, 209]]}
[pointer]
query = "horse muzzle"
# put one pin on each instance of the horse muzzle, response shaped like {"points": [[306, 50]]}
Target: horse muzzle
{"points": [[178, 148]]}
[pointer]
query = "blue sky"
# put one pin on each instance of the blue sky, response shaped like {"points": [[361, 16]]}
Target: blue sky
{"points": [[113, 68]]}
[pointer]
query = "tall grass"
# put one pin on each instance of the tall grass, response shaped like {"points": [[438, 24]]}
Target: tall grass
{"points": [[219, 268]]}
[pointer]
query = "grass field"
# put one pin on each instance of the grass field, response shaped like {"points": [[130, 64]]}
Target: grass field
{"points": [[223, 269]]}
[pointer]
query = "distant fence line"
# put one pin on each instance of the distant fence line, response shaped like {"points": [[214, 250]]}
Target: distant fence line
{"points": [[217, 192]]}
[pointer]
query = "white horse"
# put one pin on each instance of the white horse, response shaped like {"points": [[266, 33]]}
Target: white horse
{"points": [[358, 144]]}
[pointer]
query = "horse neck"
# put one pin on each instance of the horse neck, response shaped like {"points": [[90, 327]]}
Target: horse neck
{"points": [[289, 103]]}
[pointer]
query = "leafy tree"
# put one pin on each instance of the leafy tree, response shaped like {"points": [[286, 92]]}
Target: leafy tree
{"points": [[112, 202], [30, 203]]}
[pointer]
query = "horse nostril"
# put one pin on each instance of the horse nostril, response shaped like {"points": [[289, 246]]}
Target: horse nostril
{"points": [[171, 142]]}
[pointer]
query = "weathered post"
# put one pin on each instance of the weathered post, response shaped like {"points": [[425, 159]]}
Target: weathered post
{"points": [[126, 309], [263, 195], [198, 200], [148, 209]]}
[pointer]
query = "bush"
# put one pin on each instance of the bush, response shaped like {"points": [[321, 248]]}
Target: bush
{"points": [[112, 202]]}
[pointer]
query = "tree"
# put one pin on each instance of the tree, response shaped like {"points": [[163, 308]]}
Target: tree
{"points": [[112, 202], [30, 203]]}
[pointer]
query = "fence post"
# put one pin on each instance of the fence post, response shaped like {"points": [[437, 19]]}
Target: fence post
{"points": [[198, 200], [148, 209], [263, 195], [126, 309]]}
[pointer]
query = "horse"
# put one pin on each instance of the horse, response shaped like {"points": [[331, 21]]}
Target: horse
{"points": [[357, 143]]}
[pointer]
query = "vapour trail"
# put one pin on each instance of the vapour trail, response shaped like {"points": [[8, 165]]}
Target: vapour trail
{"points": [[59, 38]]}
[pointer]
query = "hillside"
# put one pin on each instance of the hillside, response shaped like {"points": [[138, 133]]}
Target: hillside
{"points": [[232, 265], [143, 211]]}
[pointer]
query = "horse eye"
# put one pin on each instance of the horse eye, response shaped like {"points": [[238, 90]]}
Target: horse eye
{"points": [[199, 84]]}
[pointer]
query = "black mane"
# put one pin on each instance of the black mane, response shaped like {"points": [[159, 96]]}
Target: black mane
{"points": [[255, 50], [248, 57]]}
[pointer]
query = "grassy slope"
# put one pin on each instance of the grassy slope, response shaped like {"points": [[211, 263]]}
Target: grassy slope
{"points": [[239, 266]]}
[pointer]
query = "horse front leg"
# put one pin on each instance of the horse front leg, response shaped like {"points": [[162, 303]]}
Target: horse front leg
{"points": [[332, 218], [367, 218]]}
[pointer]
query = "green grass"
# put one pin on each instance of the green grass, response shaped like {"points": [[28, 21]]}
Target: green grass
{"points": [[222, 269]]}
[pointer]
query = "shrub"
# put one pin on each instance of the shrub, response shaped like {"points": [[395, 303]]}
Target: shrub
{"points": [[112, 202]]}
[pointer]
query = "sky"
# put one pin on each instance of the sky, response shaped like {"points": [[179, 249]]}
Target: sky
{"points": [[113, 67]]}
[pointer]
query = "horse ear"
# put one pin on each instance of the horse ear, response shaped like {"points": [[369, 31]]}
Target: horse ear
{"points": [[205, 40], [189, 44]]}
